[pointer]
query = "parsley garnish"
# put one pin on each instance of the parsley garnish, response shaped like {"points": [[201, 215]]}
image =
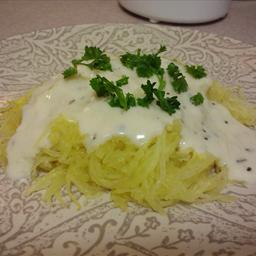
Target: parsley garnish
{"points": [[71, 71], [102, 86], [196, 71], [146, 65], [122, 81], [197, 99], [179, 82], [92, 53], [149, 97], [118, 99], [170, 105], [105, 88], [99, 60], [173, 70], [131, 101], [122, 101]]}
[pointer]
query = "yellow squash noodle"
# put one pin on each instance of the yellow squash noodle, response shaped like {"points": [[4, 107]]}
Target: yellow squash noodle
{"points": [[156, 174], [237, 105], [10, 118]]}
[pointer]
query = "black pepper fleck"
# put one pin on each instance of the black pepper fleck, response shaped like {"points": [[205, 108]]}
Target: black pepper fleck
{"points": [[226, 122], [213, 104], [204, 130], [248, 169], [206, 138], [71, 101], [241, 160]]}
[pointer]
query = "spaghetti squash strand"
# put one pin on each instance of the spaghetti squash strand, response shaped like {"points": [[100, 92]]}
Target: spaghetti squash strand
{"points": [[156, 174], [239, 108], [10, 119]]}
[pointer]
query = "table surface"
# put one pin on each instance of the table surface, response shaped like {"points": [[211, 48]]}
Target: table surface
{"points": [[22, 16]]}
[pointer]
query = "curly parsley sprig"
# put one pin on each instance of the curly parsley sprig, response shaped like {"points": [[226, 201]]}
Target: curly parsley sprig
{"points": [[93, 57], [179, 82], [148, 89], [105, 88], [168, 104], [196, 71], [197, 99], [146, 65], [117, 98]]}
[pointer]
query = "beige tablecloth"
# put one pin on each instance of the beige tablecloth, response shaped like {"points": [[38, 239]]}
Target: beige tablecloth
{"points": [[21, 16]]}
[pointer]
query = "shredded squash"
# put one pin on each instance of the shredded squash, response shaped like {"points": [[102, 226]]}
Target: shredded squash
{"points": [[157, 174], [10, 118], [235, 103]]}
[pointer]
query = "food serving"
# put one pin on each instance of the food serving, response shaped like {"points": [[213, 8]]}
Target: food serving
{"points": [[148, 129]]}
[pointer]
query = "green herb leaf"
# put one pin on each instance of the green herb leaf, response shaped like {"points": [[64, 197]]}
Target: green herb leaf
{"points": [[99, 60], [161, 49], [170, 105], [196, 71], [76, 62], [69, 72], [101, 63], [130, 60], [179, 82], [122, 81], [99, 86], [197, 99], [144, 70], [105, 88], [131, 101], [149, 97], [146, 65], [119, 99], [161, 80], [102, 86], [173, 70], [92, 53]]}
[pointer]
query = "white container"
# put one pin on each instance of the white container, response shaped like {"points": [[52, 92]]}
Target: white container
{"points": [[178, 11]]}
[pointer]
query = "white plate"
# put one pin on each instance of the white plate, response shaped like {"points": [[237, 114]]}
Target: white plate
{"points": [[28, 227]]}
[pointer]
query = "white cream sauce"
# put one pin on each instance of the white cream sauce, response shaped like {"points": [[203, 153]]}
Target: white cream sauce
{"points": [[208, 127]]}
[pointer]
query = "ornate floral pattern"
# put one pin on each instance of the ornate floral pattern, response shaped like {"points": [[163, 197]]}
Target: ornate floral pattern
{"points": [[28, 227]]}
